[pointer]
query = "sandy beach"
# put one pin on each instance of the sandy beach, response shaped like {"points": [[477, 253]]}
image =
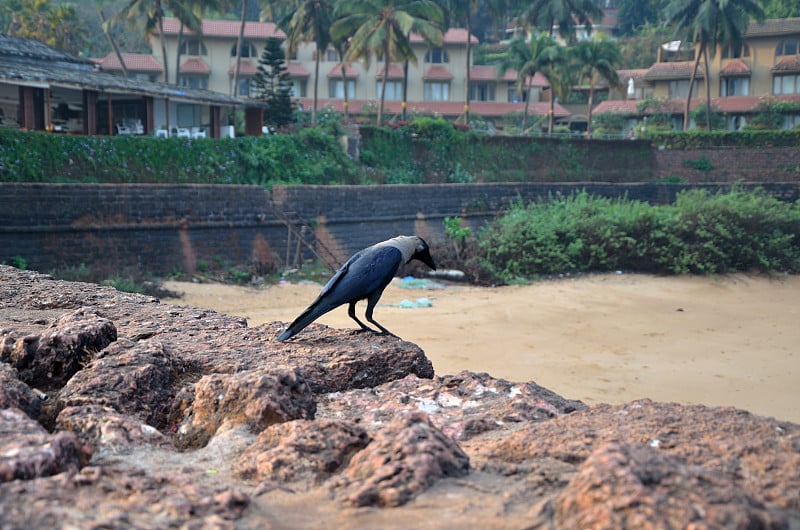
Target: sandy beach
{"points": [[730, 341]]}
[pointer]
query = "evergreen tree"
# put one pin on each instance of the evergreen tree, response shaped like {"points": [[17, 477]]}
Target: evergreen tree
{"points": [[273, 84]]}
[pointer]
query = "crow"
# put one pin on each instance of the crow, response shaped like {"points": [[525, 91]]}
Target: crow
{"points": [[363, 277]]}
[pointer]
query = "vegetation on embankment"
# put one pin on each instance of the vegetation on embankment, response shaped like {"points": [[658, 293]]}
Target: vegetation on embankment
{"points": [[425, 150], [702, 233]]}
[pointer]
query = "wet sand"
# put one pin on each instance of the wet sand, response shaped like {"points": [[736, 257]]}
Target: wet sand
{"points": [[731, 340]]}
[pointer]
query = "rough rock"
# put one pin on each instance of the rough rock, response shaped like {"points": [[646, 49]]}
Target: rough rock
{"points": [[16, 394], [106, 429], [257, 399], [406, 456], [27, 451], [49, 359], [625, 485], [303, 449], [132, 378], [337, 430], [463, 405]]}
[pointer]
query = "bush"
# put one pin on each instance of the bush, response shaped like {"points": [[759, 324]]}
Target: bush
{"points": [[700, 233]]}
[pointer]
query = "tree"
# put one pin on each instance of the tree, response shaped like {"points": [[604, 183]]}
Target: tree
{"points": [[461, 12], [309, 21], [383, 28], [566, 15], [153, 13], [527, 58], [709, 23], [56, 25], [597, 60], [274, 85], [634, 14]]}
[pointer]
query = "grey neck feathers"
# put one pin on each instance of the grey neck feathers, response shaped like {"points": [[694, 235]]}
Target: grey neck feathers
{"points": [[407, 245]]}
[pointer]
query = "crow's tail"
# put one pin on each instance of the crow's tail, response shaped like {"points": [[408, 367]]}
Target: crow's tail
{"points": [[306, 317]]}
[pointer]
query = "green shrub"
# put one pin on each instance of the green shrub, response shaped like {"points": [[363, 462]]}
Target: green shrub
{"points": [[700, 233]]}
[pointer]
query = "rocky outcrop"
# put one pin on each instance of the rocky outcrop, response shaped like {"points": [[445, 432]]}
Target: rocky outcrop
{"points": [[119, 411]]}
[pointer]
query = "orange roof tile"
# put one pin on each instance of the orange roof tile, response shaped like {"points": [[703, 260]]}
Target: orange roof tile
{"points": [[246, 67], [539, 80], [773, 26], [735, 68], [437, 73], [787, 64], [336, 71], [195, 66], [297, 70], [673, 70], [227, 28], [395, 72], [483, 73], [136, 62]]}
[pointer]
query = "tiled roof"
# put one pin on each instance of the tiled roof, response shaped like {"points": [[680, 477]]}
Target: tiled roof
{"points": [[25, 61], [487, 109], [135, 62], [787, 64], [483, 73], [773, 26], [451, 36], [246, 67], [297, 70], [538, 81], [636, 74], [735, 68], [673, 70], [734, 105], [437, 73], [195, 66], [395, 72], [336, 71], [226, 28], [35, 50]]}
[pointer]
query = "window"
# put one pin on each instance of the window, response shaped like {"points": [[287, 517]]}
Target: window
{"points": [[194, 81], [786, 84], [514, 96], [437, 55], [394, 89], [481, 91], [436, 91], [731, 53], [331, 55], [787, 47], [247, 87], [192, 46], [336, 88], [299, 88], [248, 50], [189, 115], [734, 86], [679, 88]]}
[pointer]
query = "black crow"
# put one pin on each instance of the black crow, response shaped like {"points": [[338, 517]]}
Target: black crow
{"points": [[364, 277]]}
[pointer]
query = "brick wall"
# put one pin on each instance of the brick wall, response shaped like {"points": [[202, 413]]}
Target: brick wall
{"points": [[160, 228], [730, 165]]}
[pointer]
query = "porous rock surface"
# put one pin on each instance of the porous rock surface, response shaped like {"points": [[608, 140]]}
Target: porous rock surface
{"points": [[117, 411]]}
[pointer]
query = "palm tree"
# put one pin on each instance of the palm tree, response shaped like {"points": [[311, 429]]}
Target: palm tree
{"points": [[383, 28], [527, 58], [309, 21], [709, 23], [153, 13], [597, 59], [566, 14]]}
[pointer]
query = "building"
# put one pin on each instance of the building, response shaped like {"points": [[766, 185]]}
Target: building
{"points": [[45, 89], [436, 83], [742, 81]]}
